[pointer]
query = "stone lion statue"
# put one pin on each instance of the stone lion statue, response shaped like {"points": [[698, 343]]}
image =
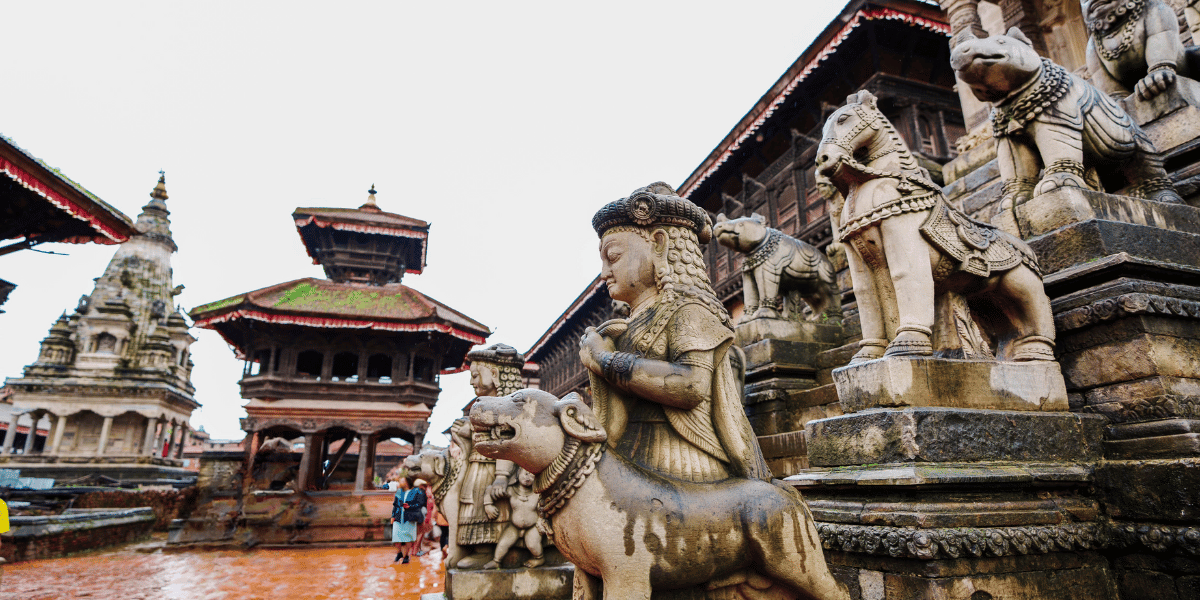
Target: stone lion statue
{"points": [[1134, 47], [777, 264], [1050, 120]]}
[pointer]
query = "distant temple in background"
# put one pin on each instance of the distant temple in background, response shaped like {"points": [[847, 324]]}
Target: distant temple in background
{"points": [[114, 376], [355, 357], [345, 363]]}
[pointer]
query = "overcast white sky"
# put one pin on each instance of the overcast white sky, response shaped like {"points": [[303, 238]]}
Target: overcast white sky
{"points": [[504, 124]]}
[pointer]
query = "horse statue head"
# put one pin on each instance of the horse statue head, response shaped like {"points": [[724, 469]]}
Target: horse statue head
{"points": [[858, 143]]}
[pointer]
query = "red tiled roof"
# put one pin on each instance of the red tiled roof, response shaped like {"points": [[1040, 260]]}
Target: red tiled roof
{"points": [[323, 303], [111, 226], [344, 218], [822, 48]]}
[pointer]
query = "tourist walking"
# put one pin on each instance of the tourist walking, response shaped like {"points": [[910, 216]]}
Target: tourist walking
{"points": [[408, 510]]}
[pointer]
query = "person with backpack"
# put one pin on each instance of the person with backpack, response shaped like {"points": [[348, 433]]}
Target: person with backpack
{"points": [[408, 511]]}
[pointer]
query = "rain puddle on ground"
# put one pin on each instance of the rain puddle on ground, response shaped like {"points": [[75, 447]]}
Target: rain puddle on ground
{"points": [[266, 574]]}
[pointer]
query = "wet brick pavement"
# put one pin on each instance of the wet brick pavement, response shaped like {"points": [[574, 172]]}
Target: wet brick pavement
{"points": [[260, 574]]}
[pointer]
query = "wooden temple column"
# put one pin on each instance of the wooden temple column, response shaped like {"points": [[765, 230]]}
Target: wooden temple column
{"points": [[366, 451], [105, 430], [10, 436], [310, 462]]}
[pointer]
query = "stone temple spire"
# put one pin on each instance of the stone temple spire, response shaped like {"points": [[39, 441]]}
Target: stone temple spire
{"points": [[116, 374]]}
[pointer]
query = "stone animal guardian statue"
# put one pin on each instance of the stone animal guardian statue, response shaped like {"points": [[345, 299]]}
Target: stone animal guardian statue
{"points": [[776, 264], [632, 532], [1047, 118], [910, 252], [1134, 47]]}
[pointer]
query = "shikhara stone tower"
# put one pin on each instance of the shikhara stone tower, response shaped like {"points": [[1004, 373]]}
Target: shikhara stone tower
{"points": [[114, 376]]}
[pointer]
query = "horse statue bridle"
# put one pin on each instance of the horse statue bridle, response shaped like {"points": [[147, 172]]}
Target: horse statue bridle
{"points": [[865, 119]]}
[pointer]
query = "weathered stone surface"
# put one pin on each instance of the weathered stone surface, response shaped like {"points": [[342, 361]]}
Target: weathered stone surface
{"points": [[77, 530], [750, 333], [940, 474], [543, 583], [934, 509], [1065, 206], [1154, 490], [1091, 582], [982, 384], [977, 158], [776, 356], [1119, 361], [1170, 118], [953, 435], [785, 409], [1092, 240], [1165, 446]]}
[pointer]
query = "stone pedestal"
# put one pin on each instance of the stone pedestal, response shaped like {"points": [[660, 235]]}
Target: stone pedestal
{"points": [[783, 391], [542, 583], [1170, 119], [944, 502], [977, 384]]}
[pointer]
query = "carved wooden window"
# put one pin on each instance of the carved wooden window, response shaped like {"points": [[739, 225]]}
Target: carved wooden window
{"points": [[787, 219], [309, 363], [379, 368], [928, 136], [258, 364], [345, 366], [423, 368]]}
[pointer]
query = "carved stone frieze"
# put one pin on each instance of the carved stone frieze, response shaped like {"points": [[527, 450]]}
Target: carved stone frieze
{"points": [[972, 542], [1124, 305], [1157, 538], [1149, 408], [963, 542]]}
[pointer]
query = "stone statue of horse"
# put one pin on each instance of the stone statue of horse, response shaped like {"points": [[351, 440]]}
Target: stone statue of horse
{"points": [[924, 273]]}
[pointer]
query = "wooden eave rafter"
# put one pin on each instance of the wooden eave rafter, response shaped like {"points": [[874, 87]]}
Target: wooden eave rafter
{"points": [[101, 223], [856, 14]]}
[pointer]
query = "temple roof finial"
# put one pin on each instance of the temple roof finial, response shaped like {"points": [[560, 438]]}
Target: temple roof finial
{"points": [[160, 190], [370, 198]]}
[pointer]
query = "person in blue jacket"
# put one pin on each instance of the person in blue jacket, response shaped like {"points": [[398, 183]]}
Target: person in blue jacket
{"points": [[408, 511]]}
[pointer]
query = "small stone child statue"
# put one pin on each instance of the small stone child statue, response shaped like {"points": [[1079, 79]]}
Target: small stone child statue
{"points": [[523, 524]]}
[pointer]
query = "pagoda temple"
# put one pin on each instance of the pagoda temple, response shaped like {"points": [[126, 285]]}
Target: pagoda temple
{"points": [[114, 376], [356, 356]]}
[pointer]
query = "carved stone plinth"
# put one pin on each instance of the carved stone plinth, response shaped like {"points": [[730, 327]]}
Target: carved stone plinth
{"points": [[783, 391], [542, 583], [757, 330], [1066, 206], [930, 434], [1184, 94], [977, 384]]}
